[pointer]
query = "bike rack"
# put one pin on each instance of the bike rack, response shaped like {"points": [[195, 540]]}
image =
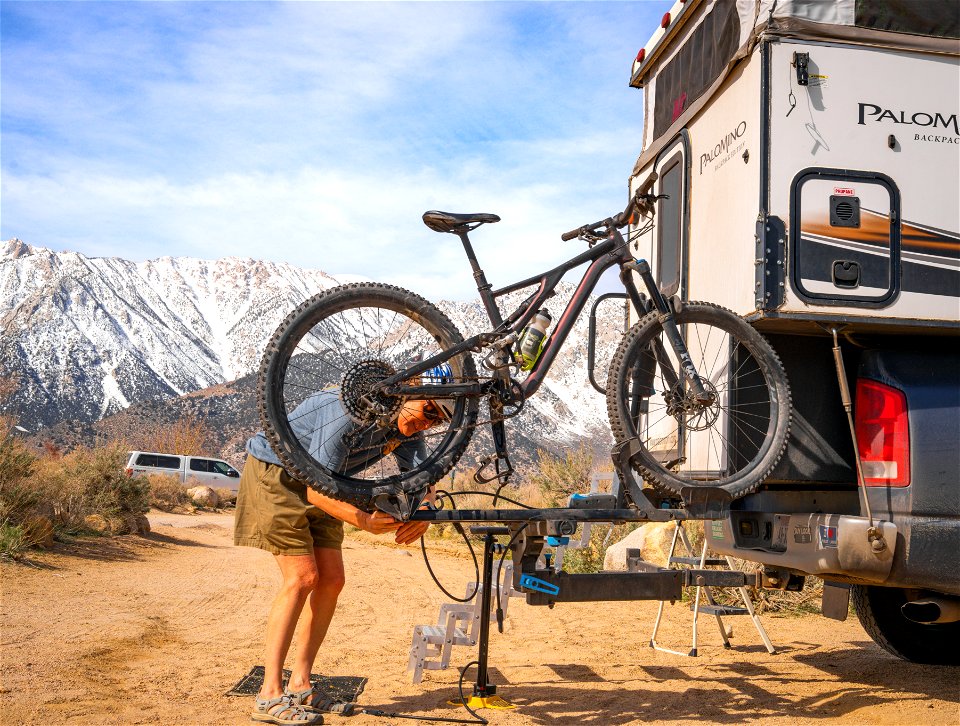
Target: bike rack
{"points": [[530, 528]]}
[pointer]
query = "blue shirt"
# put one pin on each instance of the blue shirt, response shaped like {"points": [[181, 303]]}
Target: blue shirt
{"points": [[320, 425]]}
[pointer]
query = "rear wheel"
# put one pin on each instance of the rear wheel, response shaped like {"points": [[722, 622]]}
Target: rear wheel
{"points": [[878, 609], [729, 439], [334, 349]]}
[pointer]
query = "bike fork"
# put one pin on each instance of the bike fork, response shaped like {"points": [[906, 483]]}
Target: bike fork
{"points": [[669, 322]]}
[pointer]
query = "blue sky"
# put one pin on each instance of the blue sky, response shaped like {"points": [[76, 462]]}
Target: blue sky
{"points": [[318, 133]]}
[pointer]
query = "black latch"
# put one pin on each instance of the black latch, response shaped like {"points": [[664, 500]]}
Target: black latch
{"points": [[846, 274], [801, 62]]}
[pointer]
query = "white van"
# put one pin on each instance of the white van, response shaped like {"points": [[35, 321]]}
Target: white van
{"points": [[204, 470]]}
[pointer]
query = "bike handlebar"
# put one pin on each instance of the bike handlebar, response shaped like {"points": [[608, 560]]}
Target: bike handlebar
{"points": [[638, 203]]}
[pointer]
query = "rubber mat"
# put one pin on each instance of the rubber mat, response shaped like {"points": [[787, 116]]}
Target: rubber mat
{"points": [[339, 689]]}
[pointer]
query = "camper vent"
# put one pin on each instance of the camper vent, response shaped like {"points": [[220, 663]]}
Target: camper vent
{"points": [[844, 211]]}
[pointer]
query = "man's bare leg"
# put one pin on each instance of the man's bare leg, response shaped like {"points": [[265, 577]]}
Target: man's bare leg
{"points": [[317, 616], [300, 578]]}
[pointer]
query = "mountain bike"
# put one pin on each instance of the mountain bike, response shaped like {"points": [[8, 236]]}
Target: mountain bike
{"points": [[702, 393]]}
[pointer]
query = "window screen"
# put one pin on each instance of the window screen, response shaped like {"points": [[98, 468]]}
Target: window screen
{"points": [[696, 65], [936, 18], [669, 227]]}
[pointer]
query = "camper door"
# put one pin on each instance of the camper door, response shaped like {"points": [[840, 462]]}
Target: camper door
{"points": [[672, 220]]}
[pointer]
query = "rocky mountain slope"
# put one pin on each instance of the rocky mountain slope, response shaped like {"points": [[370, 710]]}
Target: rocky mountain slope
{"points": [[87, 337]]}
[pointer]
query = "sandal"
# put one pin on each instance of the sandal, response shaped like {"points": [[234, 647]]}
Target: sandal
{"points": [[311, 700], [283, 711]]}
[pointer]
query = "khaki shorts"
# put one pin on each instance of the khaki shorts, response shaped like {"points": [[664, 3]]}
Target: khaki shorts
{"points": [[274, 515]]}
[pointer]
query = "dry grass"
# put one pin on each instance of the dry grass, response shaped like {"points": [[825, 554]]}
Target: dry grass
{"points": [[167, 493], [226, 496], [64, 489], [189, 436]]}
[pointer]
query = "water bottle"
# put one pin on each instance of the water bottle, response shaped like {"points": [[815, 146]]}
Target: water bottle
{"points": [[532, 339]]}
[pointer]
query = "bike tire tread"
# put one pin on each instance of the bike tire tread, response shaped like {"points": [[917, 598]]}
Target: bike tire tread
{"points": [[767, 463], [327, 483]]}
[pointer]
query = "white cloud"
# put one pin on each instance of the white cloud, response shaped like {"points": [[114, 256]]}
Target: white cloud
{"points": [[318, 133]]}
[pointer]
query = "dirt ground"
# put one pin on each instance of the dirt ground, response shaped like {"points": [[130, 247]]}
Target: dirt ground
{"points": [[155, 630]]}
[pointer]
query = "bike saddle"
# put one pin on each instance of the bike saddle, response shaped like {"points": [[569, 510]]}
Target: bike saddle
{"points": [[455, 223]]}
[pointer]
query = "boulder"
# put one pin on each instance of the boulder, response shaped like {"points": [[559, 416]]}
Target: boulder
{"points": [[652, 539], [97, 522], [203, 496], [122, 524], [143, 524], [39, 532]]}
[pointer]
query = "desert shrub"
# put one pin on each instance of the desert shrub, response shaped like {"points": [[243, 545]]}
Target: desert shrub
{"points": [[13, 541], [227, 496], [167, 493], [590, 558], [19, 500], [188, 436], [91, 481], [559, 477]]}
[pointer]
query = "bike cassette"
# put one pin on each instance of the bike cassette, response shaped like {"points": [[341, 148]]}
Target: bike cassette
{"points": [[358, 394]]}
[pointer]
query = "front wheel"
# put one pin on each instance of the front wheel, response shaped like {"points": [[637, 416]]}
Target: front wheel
{"points": [[322, 410], [730, 438]]}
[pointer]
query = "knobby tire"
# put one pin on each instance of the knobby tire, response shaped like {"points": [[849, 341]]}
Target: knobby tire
{"points": [[637, 404], [277, 386]]}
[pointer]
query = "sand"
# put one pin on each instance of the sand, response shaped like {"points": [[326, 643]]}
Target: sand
{"points": [[155, 630]]}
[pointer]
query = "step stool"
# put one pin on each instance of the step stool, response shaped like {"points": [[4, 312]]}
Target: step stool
{"points": [[711, 607]]}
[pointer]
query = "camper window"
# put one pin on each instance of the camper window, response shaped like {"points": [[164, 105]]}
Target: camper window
{"points": [[696, 65], [938, 19], [670, 226]]}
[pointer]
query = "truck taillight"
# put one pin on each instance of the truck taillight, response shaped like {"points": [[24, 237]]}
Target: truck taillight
{"points": [[883, 434], [129, 471]]}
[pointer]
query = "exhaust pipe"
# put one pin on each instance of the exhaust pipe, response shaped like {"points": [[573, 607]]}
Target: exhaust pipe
{"points": [[932, 610]]}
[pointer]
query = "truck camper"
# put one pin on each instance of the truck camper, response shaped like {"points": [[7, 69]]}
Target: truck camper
{"points": [[809, 157]]}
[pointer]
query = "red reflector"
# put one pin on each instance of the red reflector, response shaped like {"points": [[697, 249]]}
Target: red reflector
{"points": [[666, 20], [641, 55], [883, 434]]}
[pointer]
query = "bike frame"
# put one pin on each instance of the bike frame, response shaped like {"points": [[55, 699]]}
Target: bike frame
{"points": [[602, 257], [613, 250]]}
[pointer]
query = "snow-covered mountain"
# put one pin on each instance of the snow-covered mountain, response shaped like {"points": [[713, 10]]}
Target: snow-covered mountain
{"points": [[86, 337]]}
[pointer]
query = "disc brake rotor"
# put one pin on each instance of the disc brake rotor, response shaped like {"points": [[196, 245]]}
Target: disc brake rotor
{"points": [[695, 415]]}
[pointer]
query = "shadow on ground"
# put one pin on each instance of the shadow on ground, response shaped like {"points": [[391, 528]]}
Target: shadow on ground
{"points": [[714, 692]]}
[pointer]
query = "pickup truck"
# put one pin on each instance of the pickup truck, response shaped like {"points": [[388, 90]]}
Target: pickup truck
{"points": [[810, 518], [202, 469]]}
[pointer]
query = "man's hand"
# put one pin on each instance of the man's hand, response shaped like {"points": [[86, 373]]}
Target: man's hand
{"points": [[377, 522], [411, 532]]}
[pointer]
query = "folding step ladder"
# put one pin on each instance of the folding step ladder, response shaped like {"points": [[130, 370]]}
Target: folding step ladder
{"points": [[458, 623], [712, 607]]}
